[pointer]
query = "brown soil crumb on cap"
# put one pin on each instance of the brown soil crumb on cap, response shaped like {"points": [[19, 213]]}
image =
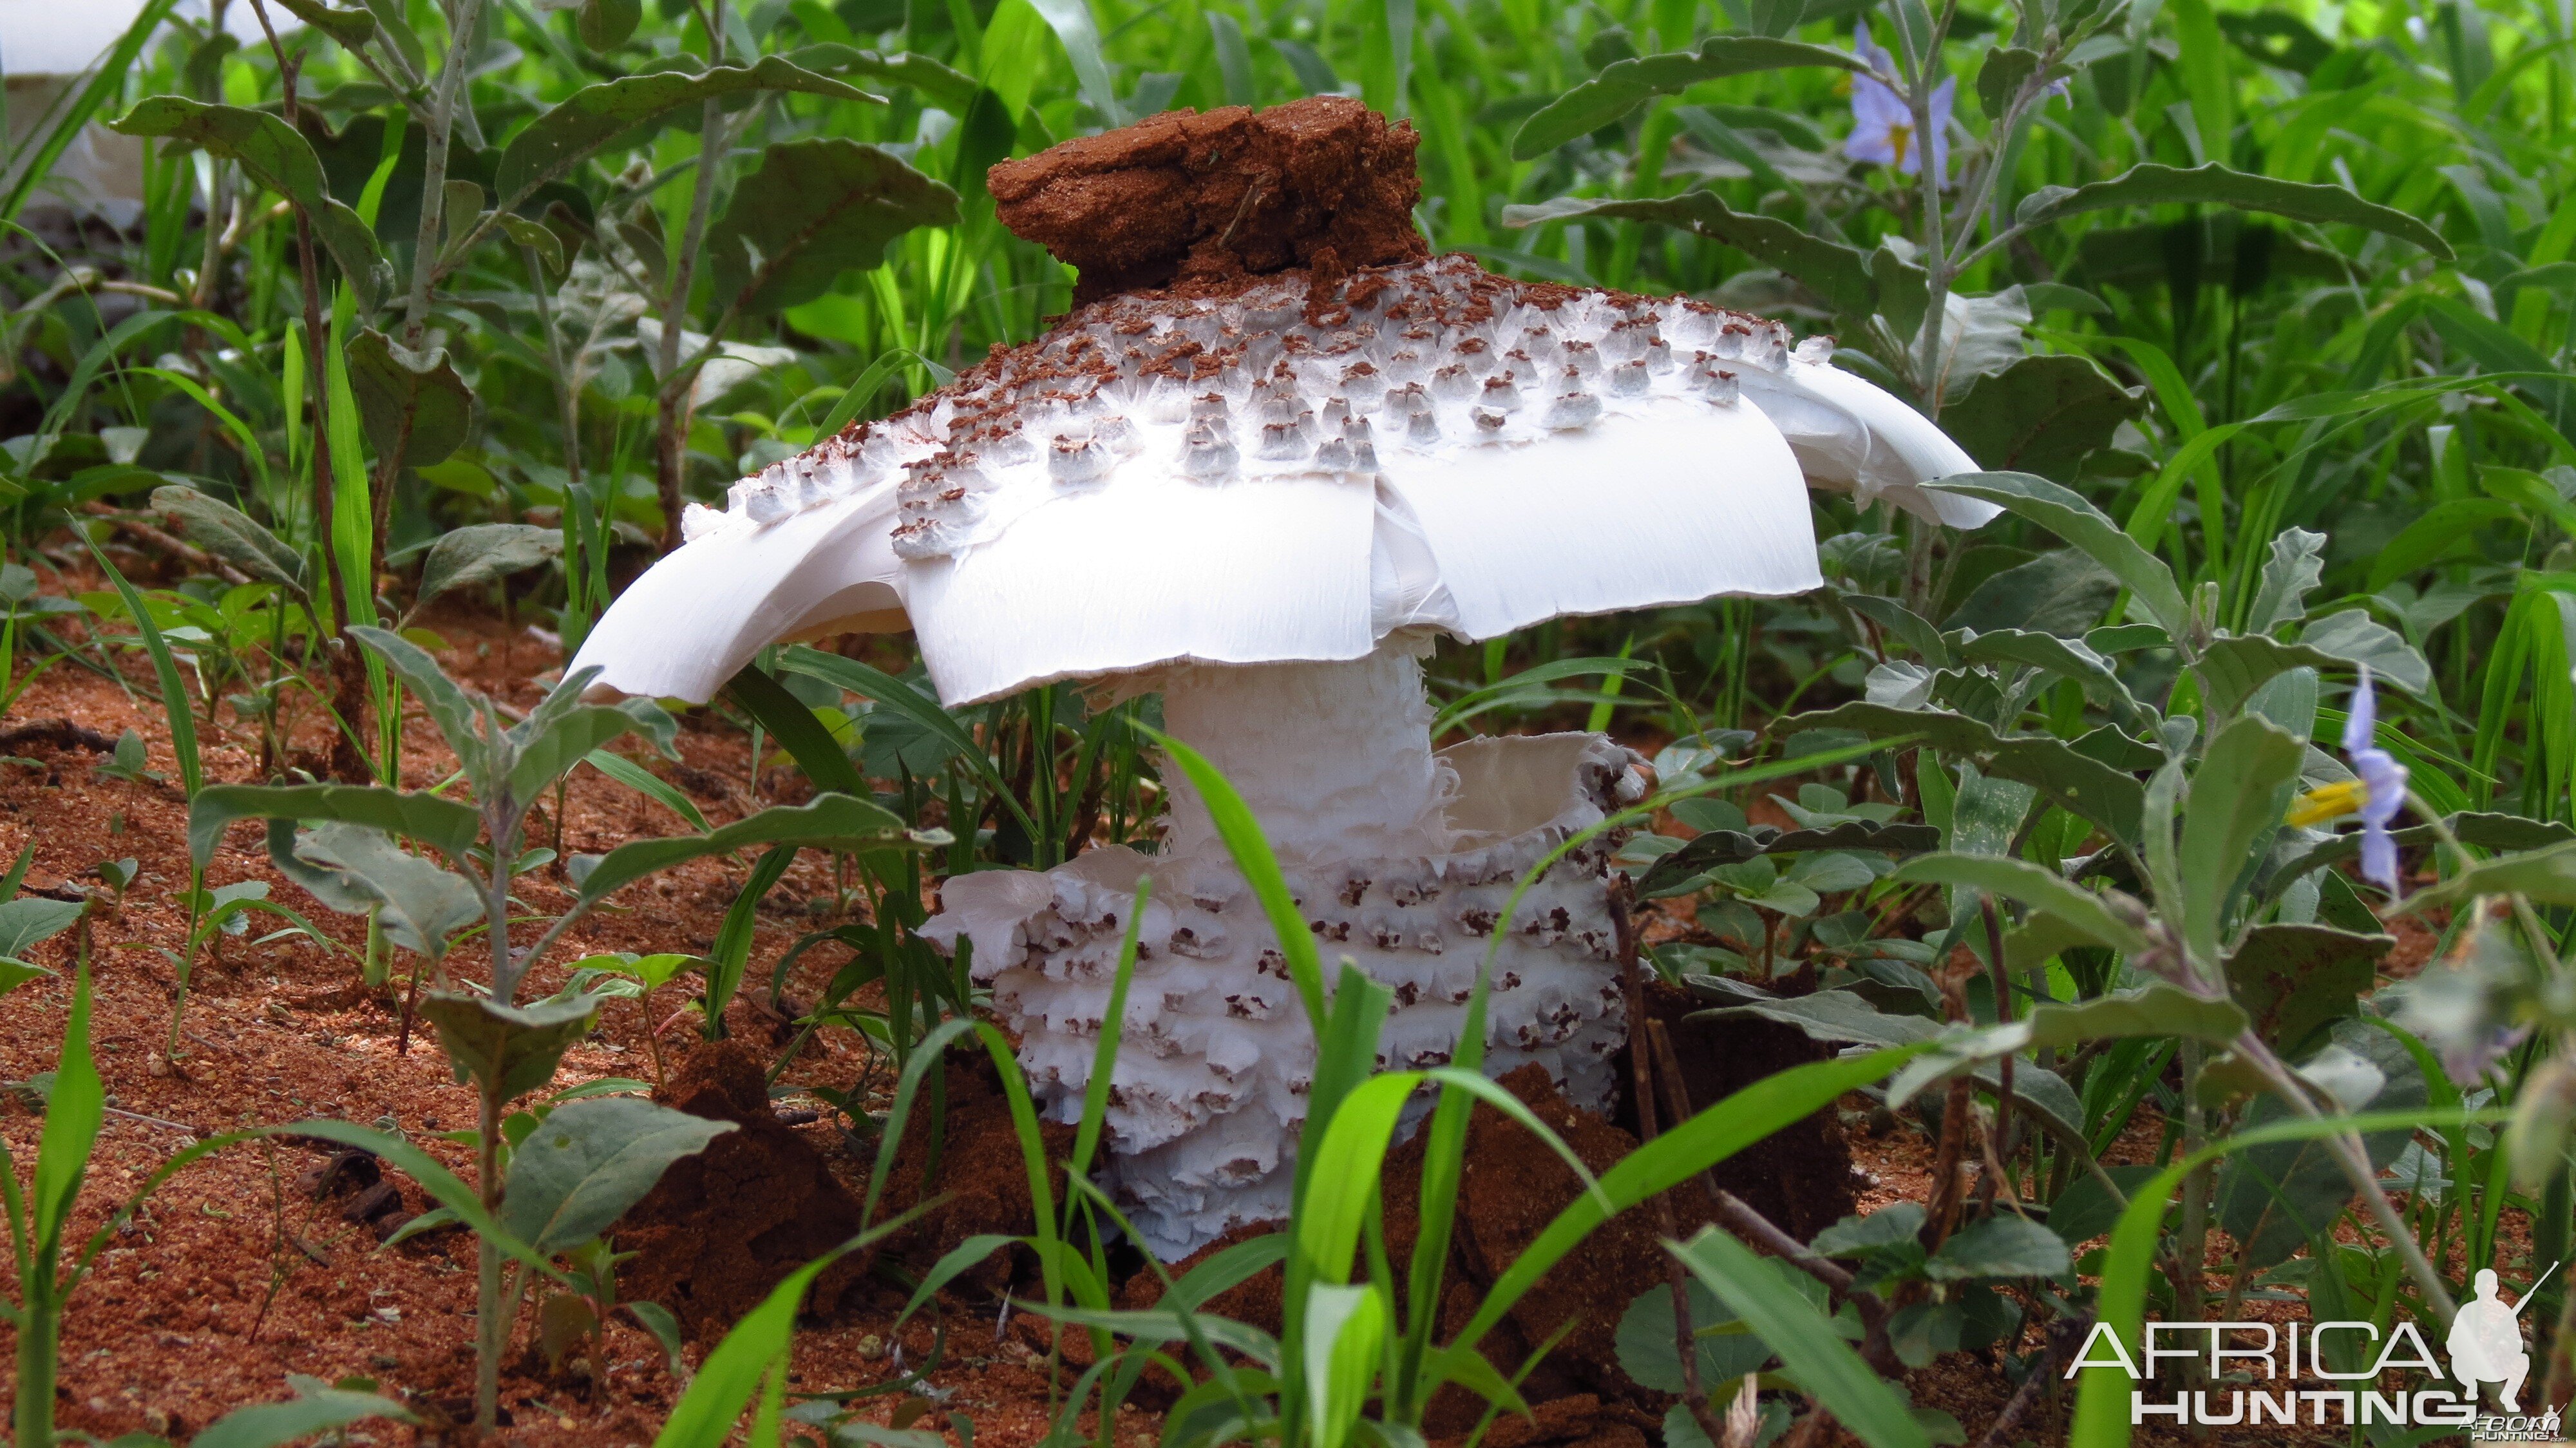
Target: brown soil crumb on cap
{"points": [[1203, 203]]}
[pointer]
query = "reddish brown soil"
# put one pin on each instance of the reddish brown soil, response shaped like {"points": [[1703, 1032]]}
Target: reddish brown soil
{"points": [[1205, 201], [723, 1227]]}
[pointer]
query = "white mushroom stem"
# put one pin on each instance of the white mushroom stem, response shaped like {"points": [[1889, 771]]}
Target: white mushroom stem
{"points": [[1334, 759], [1402, 860]]}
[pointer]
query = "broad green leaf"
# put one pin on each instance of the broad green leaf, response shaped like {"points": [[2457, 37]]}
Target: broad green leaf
{"points": [[2067, 657], [2071, 781], [571, 735], [1798, 1331], [1648, 1350], [24, 924], [352, 28], [444, 824], [1074, 28], [2236, 801], [2293, 571], [2000, 77], [1726, 847], [1838, 273], [1910, 628], [2060, 592], [1834, 1015], [797, 731], [2154, 184], [15, 973], [2233, 667], [589, 1161], [831, 821], [275, 155], [2294, 979], [2066, 513], [2004, 1244], [359, 870], [2486, 831], [2358, 639], [483, 552], [2544, 877], [816, 209], [2034, 887], [605, 24], [945, 86], [414, 405], [1893, 1225], [511, 1049], [1624, 85], [591, 117], [231, 535], [2040, 415], [314, 1409], [2157, 1009], [449, 707]]}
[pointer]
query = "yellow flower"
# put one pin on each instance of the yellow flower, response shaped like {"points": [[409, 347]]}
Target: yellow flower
{"points": [[2328, 802]]}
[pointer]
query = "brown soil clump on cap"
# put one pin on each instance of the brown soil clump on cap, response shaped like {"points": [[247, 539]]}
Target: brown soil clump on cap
{"points": [[724, 1227], [1204, 203]]}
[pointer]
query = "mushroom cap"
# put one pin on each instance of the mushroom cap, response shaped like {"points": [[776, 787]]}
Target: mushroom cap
{"points": [[1261, 468]]}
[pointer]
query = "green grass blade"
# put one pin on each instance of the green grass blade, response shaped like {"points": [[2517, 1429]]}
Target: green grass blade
{"points": [[652, 786], [74, 1112], [175, 707], [1793, 1327]]}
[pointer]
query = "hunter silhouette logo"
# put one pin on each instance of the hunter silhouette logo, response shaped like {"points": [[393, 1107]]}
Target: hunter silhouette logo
{"points": [[2486, 1340], [2336, 1373]]}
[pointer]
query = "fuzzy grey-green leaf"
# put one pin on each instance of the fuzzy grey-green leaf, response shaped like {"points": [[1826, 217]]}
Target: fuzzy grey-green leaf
{"points": [[1624, 85], [591, 1160], [817, 208]]}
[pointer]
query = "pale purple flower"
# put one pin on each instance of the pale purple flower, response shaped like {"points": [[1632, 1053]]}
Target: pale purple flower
{"points": [[1883, 124], [2384, 780], [2468, 1062]]}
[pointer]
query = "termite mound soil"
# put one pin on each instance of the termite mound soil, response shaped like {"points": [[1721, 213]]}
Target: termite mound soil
{"points": [[1800, 1177], [1202, 203], [979, 1184], [721, 1228]]}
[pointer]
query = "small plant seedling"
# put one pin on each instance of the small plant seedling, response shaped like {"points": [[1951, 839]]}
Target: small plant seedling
{"points": [[128, 762]]}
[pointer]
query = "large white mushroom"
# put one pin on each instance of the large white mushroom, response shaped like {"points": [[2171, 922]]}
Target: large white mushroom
{"points": [[1263, 490]]}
